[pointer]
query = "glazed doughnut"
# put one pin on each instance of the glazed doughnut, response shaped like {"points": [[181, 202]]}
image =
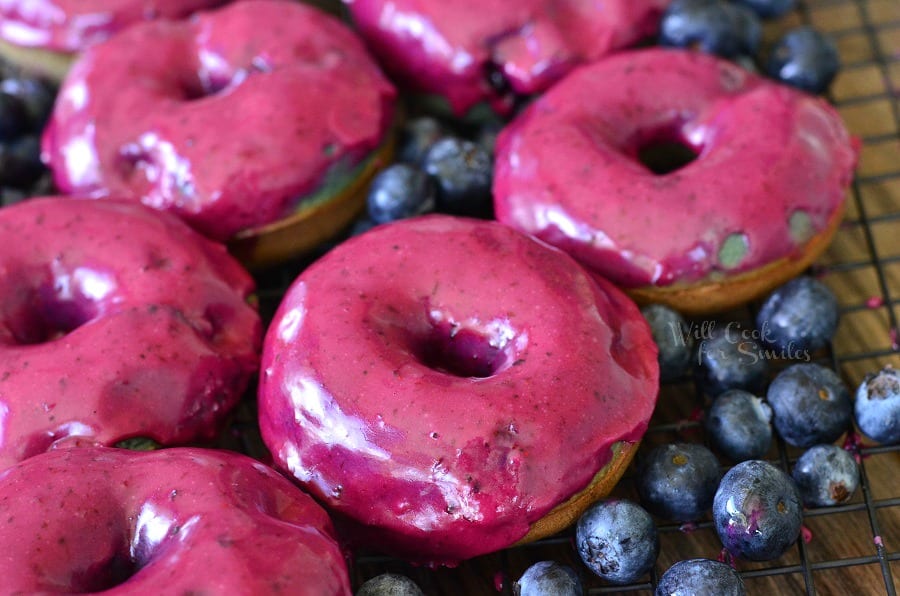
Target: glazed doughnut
{"points": [[437, 47], [758, 199], [174, 521], [452, 386], [116, 322], [46, 34], [239, 120]]}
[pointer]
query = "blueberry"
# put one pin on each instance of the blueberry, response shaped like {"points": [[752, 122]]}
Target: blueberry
{"points": [[390, 584], [548, 578], [36, 97], [713, 26], [361, 225], [804, 58], [617, 540], [877, 406], [677, 481], [670, 332], [756, 511], [20, 162], [462, 171], [700, 577], [14, 121], [768, 9], [739, 425], [731, 359], [826, 475], [810, 405], [400, 191], [799, 317], [417, 137]]}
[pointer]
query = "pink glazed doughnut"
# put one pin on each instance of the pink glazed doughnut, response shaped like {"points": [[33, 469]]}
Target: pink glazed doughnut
{"points": [[116, 322], [170, 522], [235, 120], [758, 200], [449, 48], [45, 34], [453, 387]]}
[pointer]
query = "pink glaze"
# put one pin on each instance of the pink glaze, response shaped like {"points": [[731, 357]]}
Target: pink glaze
{"points": [[358, 402], [170, 522], [567, 168], [69, 26], [447, 46], [227, 119], [116, 322]]}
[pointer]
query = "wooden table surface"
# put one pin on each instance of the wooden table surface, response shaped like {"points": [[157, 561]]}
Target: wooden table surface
{"points": [[863, 269]]}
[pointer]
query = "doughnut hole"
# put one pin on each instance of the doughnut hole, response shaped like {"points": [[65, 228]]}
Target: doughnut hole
{"points": [[105, 575], [663, 150], [196, 86], [44, 308], [134, 542], [476, 351]]}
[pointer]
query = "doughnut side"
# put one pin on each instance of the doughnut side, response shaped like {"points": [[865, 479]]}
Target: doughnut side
{"points": [[175, 521], [117, 322], [445, 383], [730, 292], [762, 179]]}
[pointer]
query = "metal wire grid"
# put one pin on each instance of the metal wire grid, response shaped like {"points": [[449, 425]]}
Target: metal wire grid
{"points": [[868, 36]]}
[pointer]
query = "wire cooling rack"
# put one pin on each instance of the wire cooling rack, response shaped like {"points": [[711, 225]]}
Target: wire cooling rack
{"points": [[853, 548]]}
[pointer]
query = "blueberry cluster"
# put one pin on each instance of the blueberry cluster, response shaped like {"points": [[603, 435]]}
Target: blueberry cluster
{"points": [[803, 57], [755, 506], [441, 167], [25, 105]]}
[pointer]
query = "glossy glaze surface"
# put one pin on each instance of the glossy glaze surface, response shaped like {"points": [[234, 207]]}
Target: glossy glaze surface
{"points": [[447, 382], [116, 321], [772, 168], [447, 47], [71, 25], [170, 522], [227, 119]]}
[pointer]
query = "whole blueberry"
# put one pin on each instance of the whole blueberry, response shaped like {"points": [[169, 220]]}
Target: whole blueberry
{"points": [[810, 405], [825, 475], [799, 317], [462, 171], [700, 577], [713, 26], [617, 540], [877, 406], [730, 358], [672, 337], [390, 584], [739, 425], [416, 138], [400, 191], [36, 97], [804, 58], [756, 511], [768, 9], [677, 481], [548, 578]]}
